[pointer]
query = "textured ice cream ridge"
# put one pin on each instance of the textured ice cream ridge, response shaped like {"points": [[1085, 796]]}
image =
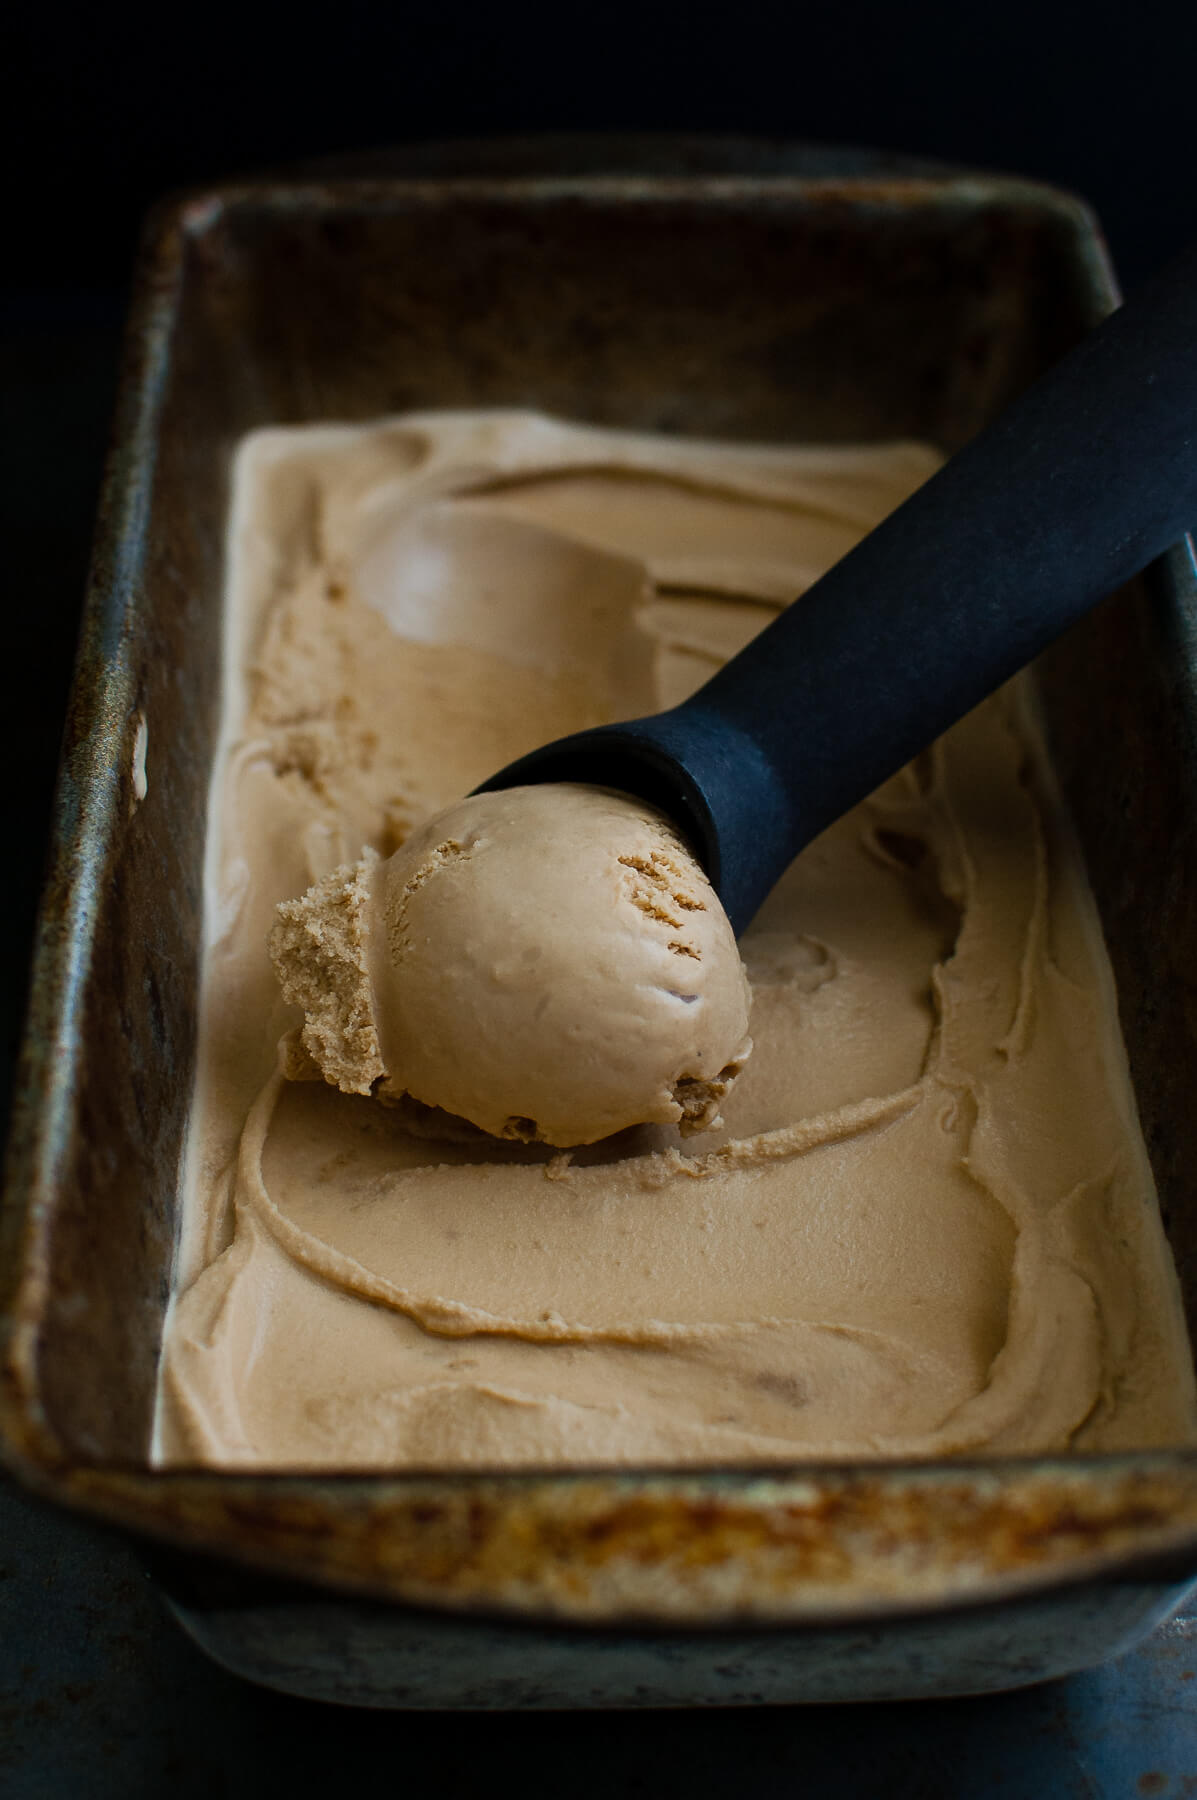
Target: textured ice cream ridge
{"points": [[926, 1224]]}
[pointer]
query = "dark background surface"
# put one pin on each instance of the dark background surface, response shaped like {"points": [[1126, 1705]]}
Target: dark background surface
{"points": [[104, 108], [108, 106]]}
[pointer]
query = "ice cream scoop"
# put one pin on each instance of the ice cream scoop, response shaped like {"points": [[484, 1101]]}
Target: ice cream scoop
{"points": [[1086, 478], [548, 963]]}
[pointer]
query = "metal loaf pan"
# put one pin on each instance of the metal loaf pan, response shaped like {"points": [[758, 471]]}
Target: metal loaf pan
{"points": [[742, 291]]}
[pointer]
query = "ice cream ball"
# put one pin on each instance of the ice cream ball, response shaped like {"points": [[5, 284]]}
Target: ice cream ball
{"points": [[550, 963]]}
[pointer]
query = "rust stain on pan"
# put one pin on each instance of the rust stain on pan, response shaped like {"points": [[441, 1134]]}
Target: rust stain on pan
{"points": [[812, 1545]]}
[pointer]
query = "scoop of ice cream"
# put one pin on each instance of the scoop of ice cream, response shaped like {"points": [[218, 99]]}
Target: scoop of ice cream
{"points": [[550, 963]]}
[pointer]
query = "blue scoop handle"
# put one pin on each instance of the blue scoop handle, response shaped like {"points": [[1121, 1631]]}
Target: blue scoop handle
{"points": [[1074, 489]]}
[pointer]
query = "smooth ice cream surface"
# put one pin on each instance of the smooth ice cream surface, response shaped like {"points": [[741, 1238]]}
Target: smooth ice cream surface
{"points": [[549, 963], [926, 1225]]}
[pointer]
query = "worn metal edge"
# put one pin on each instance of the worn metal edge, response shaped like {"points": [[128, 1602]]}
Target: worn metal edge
{"points": [[87, 796], [200, 207], [811, 1545]]}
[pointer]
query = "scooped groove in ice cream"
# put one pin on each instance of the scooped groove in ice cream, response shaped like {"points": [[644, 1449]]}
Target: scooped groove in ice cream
{"points": [[549, 963]]}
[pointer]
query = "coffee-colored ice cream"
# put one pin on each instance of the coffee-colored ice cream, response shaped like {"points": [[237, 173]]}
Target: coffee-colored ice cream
{"points": [[548, 963], [926, 1225]]}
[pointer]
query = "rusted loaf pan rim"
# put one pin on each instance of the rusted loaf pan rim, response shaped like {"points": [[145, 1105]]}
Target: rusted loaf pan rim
{"points": [[814, 1546], [88, 1219]]}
